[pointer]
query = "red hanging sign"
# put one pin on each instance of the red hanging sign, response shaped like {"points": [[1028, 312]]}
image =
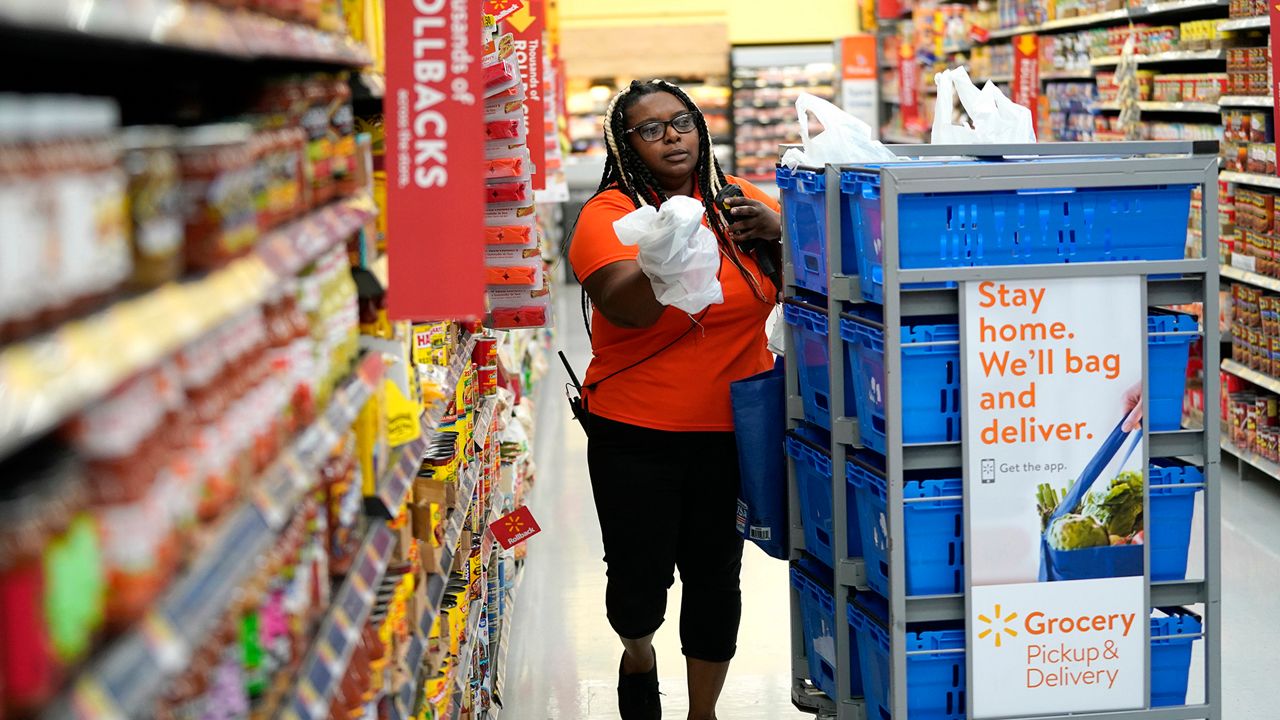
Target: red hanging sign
{"points": [[500, 9], [435, 158], [512, 529], [527, 26], [890, 9], [1275, 62], [909, 88], [1026, 73]]}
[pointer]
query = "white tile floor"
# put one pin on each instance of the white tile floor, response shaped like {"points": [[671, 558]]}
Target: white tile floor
{"points": [[564, 657]]}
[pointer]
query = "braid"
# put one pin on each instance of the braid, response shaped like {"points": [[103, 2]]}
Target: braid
{"points": [[625, 170]]}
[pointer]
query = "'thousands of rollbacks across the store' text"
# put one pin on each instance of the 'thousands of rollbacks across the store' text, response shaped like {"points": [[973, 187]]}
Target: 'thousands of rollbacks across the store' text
{"points": [[441, 65], [1041, 359]]}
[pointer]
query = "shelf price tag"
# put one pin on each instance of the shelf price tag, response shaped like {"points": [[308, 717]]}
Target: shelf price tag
{"points": [[514, 528], [168, 648], [92, 701]]}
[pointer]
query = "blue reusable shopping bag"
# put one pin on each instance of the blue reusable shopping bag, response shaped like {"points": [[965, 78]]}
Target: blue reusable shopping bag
{"points": [[760, 423], [1095, 562]]}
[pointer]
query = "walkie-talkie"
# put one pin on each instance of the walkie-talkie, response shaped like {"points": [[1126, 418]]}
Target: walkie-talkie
{"points": [[763, 259]]}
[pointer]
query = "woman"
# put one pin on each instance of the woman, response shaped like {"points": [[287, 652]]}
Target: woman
{"points": [[661, 450]]}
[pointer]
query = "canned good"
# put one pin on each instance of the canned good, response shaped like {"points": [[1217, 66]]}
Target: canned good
{"points": [[486, 351], [488, 379]]}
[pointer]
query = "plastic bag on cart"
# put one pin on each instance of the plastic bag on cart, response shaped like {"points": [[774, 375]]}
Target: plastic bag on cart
{"points": [[844, 138], [996, 118], [759, 419], [678, 253], [776, 330]]}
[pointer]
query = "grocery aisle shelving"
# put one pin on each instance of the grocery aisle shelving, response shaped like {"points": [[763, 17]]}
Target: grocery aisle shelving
{"points": [[1261, 101], [1172, 107], [1173, 56], [1252, 278], [1251, 458], [127, 674], [1262, 380], [165, 26], [44, 384], [1251, 23], [1254, 179]]}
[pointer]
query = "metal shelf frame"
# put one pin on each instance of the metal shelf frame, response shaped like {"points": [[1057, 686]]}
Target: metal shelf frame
{"points": [[1076, 165]]}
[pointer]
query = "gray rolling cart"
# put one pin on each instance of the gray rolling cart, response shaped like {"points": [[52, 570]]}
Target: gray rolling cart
{"points": [[1163, 283]]}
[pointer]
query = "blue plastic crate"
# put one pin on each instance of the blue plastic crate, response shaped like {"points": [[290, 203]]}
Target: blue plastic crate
{"points": [[934, 530], [1019, 227], [804, 201], [813, 483], [1173, 503], [1173, 633], [931, 401], [818, 615], [935, 680], [1167, 364], [811, 353]]}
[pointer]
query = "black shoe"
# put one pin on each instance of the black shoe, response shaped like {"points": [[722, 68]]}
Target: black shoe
{"points": [[638, 697]]}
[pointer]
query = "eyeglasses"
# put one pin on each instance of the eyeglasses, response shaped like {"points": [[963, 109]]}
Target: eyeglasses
{"points": [[654, 131]]}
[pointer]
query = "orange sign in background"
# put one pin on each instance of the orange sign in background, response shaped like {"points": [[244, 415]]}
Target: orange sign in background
{"points": [[1026, 73]]}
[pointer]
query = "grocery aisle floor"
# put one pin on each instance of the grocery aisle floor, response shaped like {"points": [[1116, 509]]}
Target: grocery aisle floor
{"points": [[564, 657]]}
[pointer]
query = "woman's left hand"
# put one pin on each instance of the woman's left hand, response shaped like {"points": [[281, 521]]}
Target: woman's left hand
{"points": [[753, 220]]}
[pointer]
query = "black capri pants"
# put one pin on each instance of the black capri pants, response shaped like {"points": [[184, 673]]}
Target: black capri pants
{"points": [[669, 500]]}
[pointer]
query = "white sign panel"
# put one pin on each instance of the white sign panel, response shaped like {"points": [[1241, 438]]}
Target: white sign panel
{"points": [[1055, 483], [1078, 647]]}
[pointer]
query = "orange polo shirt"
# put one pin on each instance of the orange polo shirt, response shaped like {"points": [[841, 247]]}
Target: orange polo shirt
{"points": [[686, 386]]}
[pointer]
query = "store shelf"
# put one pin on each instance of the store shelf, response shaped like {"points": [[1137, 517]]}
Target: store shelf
{"points": [[461, 670], [1250, 23], [1250, 458], [1181, 107], [1245, 275], [504, 646], [335, 641], [1086, 21], [1263, 101], [467, 482], [1245, 373], [193, 27], [1086, 74], [296, 245], [394, 486], [1166, 57], [127, 676], [1254, 179], [51, 377]]}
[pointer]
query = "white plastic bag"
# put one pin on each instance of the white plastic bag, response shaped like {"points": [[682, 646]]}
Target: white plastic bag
{"points": [[844, 138], [996, 118], [776, 330], [678, 253]]}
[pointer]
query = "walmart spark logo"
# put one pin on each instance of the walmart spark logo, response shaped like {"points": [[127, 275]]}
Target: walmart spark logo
{"points": [[999, 627], [515, 525]]}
